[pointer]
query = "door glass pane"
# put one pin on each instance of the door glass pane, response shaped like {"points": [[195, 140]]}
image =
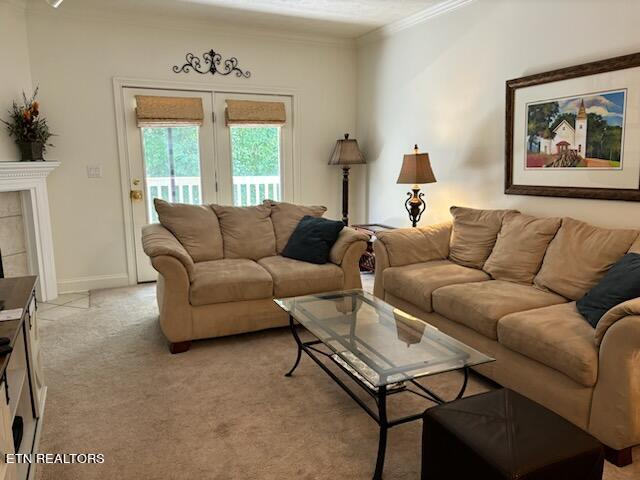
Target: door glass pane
{"points": [[172, 166], [255, 161]]}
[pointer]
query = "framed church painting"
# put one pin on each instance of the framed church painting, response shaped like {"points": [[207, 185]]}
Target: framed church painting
{"points": [[575, 132]]}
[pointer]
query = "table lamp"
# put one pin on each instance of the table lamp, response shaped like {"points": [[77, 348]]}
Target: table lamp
{"points": [[345, 154], [416, 169]]}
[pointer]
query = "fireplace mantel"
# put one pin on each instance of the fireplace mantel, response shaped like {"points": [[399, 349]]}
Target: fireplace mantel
{"points": [[11, 170], [30, 178]]}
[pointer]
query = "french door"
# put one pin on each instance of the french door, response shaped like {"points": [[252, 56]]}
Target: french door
{"points": [[166, 162], [212, 163], [255, 161]]}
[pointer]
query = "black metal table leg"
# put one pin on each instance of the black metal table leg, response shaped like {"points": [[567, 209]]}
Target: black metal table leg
{"points": [[380, 394], [382, 441], [464, 383], [298, 342]]}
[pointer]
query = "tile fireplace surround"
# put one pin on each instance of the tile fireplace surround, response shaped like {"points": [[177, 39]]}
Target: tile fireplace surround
{"points": [[30, 179]]}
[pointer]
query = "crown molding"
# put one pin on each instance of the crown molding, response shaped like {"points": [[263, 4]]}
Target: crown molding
{"points": [[412, 20], [185, 23]]}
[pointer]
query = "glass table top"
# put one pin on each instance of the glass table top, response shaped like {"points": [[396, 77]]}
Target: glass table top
{"points": [[376, 340]]}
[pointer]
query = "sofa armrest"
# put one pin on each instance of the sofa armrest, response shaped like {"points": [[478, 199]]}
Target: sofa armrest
{"points": [[625, 309], [158, 241], [346, 253], [347, 237], [406, 246], [173, 298], [615, 407], [351, 265], [175, 267], [382, 263]]}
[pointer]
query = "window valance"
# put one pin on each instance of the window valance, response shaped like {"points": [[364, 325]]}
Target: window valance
{"points": [[243, 112], [153, 111]]}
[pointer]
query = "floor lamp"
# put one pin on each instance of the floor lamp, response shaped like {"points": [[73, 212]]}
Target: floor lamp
{"points": [[345, 154]]}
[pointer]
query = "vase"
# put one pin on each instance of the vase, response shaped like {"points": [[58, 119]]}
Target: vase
{"points": [[31, 151]]}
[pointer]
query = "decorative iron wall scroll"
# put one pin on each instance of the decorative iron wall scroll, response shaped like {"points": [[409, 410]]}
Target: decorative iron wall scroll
{"points": [[211, 63]]}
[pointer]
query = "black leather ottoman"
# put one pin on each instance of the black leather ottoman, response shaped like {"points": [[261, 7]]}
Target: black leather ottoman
{"points": [[500, 435]]}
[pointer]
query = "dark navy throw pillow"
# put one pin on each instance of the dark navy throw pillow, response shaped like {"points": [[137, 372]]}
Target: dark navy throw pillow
{"points": [[620, 283], [312, 239]]}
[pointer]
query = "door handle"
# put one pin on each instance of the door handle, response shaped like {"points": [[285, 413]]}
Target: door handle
{"points": [[136, 194]]}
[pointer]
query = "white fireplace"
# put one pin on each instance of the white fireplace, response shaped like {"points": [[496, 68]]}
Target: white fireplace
{"points": [[30, 179]]}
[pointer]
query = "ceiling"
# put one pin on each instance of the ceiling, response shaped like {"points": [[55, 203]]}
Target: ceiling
{"points": [[342, 18]]}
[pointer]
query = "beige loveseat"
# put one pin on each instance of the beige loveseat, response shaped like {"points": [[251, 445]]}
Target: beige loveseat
{"points": [[220, 267], [506, 284]]}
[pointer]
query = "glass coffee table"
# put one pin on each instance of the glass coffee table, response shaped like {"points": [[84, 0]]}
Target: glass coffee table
{"points": [[381, 348]]}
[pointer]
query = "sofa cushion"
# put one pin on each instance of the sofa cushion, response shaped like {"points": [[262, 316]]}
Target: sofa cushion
{"points": [[474, 234], [293, 277], [520, 247], [195, 226], [415, 283], [635, 248], [580, 255], [480, 305], [229, 280], [247, 232], [556, 336], [285, 218]]}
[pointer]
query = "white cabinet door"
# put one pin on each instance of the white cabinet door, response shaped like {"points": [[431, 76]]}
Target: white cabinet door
{"points": [[35, 358]]}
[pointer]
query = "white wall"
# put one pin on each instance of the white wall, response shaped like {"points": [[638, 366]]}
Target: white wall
{"points": [[15, 77], [441, 84], [15, 74], [74, 59]]}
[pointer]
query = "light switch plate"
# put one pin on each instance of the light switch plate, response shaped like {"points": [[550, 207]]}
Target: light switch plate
{"points": [[94, 171]]}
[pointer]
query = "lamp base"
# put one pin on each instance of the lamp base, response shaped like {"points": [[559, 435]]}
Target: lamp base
{"points": [[415, 205], [345, 196]]}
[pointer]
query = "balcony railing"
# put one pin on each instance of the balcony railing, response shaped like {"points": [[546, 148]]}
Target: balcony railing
{"points": [[246, 190], [254, 190]]}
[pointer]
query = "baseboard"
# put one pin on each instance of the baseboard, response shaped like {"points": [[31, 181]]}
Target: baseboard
{"points": [[92, 282]]}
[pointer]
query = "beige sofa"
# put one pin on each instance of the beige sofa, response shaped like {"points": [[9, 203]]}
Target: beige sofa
{"points": [[220, 267], [506, 284]]}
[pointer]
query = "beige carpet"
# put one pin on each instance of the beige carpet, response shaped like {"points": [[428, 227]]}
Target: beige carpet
{"points": [[223, 410]]}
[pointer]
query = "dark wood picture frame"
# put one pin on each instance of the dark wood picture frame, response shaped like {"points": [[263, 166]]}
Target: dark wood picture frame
{"points": [[602, 66]]}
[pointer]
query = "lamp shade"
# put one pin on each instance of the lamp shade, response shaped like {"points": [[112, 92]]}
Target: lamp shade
{"points": [[346, 152], [416, 169]]}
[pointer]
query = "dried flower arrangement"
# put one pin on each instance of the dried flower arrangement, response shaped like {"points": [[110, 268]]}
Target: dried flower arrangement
{"points": [[28, 129]]}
